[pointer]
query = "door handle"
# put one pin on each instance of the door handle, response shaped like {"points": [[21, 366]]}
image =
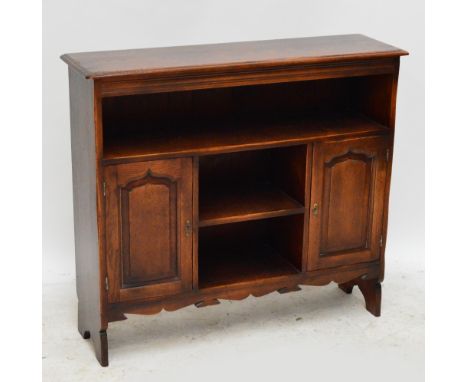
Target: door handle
{"points": [[315, 209]]}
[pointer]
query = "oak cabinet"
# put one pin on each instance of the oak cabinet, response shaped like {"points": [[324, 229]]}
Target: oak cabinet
{"points": [[222, 171], [148, 228], [347, 199]]}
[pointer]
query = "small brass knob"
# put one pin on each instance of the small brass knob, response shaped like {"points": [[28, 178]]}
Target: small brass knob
{"points": [[315, 209]]}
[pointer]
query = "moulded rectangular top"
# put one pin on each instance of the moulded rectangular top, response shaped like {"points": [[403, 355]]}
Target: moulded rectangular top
{"points": [[230, 56]]}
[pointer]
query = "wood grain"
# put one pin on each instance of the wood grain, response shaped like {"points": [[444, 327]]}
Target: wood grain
{"points": [[264, 54], [149, 230], [228, 136], [92, 320], [242, 290], [244, 203], [148, 250], [349, 189], [234, 264], [211, 172], [346, 203]]}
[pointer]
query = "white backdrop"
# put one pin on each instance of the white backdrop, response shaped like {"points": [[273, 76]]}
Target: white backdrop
{"points": [[85, 25]]}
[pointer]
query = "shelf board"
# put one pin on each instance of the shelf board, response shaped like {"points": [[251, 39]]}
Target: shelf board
{"points": [[233, 264], [216, 137], [244, 203]]}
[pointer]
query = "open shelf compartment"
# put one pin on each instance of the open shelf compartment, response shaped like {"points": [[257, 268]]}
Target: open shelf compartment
{"points": [[252, 185], [210, 121], [250, 251]]}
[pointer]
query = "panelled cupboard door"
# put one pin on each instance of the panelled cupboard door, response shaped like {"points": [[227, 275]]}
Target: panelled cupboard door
{"points": [[148, 228], [347, 201]]}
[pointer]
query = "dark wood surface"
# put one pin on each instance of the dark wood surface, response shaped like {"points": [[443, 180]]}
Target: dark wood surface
{"points": [[228, 55], [227, 135], [371, 290], [244, 203], [251, 250], [149, 250], [195, 218], [243, 289], [222, 78], [239, 263], [222, 171], [348, 190], [92, 321]]}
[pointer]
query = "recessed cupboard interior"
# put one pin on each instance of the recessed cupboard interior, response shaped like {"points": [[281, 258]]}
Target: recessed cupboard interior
{"points": [[251, 215], [224, 119], [250, 251], [252, 185]]}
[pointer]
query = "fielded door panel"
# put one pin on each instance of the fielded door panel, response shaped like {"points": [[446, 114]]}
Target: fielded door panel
{"points": [[148, 228], [347, 201]]}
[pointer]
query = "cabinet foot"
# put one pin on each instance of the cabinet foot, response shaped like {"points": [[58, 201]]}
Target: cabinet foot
{"points": [[347, 287], [98, 338], [99, 341], [84, 333], [372, 292], [370, 289]]}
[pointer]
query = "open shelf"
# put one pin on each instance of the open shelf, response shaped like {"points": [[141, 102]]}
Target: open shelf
{"points": [[249, 251], [214, 121], [244, 203], [252, 185], [223, 136], [231, 265]]}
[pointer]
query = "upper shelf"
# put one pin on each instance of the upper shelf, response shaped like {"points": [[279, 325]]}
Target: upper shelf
{"points": [[235, 135], [230, 56]]}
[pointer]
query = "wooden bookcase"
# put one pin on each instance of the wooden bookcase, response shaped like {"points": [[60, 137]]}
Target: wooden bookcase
{"points": [[221, 171]]}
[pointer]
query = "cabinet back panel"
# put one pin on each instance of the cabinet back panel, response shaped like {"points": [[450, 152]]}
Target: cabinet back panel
{"points": [[286, 235], [215, 103], [372, 97], [230, 169], [250, 250], [284, 168]]}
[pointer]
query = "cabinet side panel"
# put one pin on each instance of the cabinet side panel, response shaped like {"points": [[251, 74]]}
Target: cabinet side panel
{"points": [[389, 169], [83, 145]]}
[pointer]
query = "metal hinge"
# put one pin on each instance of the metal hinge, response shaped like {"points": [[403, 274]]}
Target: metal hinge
{"points": [[381, 240], [107, 283], [104, 188]]}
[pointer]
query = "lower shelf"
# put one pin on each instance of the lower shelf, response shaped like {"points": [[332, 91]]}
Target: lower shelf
{"points": [[236, 264]]}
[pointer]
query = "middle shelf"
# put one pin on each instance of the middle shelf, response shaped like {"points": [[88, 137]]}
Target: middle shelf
{"points": [[252, 185], [244, 203]]}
